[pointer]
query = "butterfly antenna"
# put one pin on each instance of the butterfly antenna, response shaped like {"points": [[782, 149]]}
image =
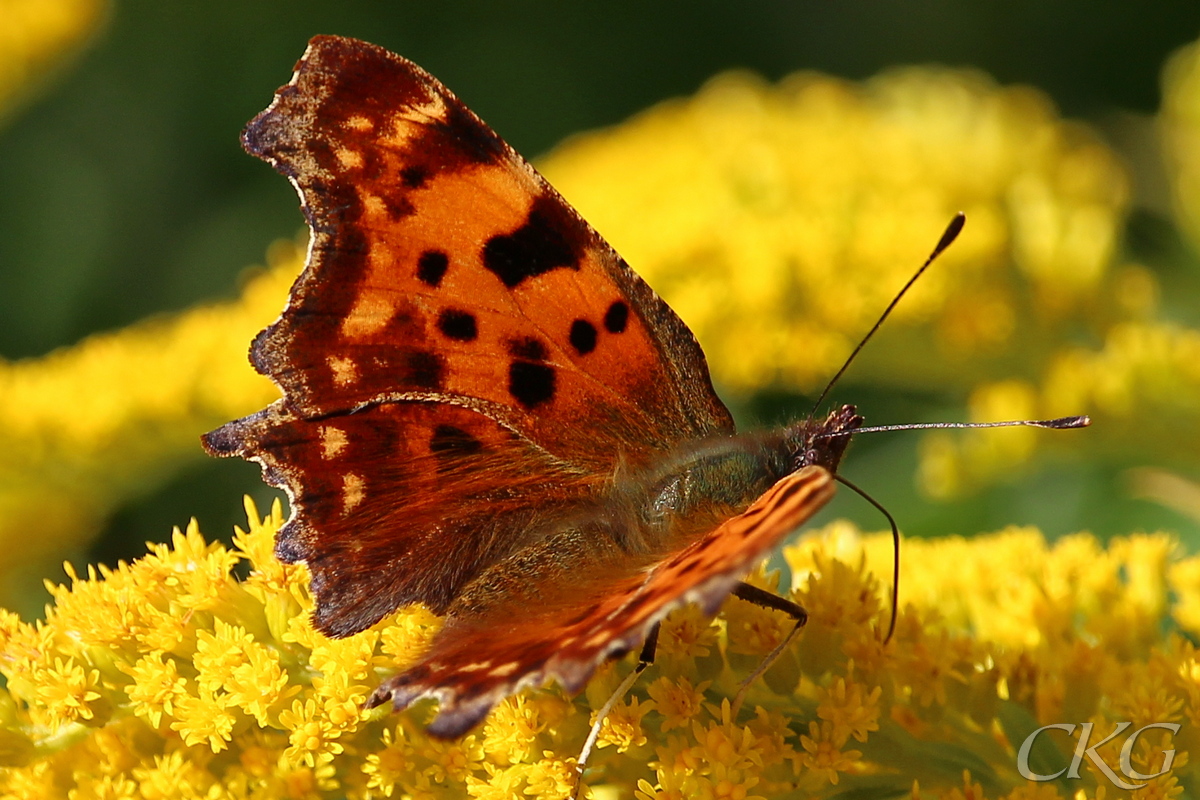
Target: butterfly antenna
{"points": [[951, 233], [1059, 424], [895, 552]]}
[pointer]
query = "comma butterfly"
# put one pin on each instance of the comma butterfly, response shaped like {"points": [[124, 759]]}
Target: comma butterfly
{"points": [[485, 409]]}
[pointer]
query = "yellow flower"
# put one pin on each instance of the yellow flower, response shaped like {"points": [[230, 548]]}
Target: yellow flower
{"points": [[511, 731], [768, 201], [686, 633], [67, 691], [173, 775], [125, 715], [204, 718], [312, 736], [622, 728], [754, 630], [677, 700], [851, 711], [551, 777], [140, 398], [37, 36], [156, 687], [1180, 120], [390, 765], [823, 752]]}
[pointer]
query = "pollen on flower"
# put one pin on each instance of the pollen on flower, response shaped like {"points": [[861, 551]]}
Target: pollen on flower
{"points": [[156, 686], [67, 690], [622, 728], [394, 763], [823, 752], [313, 738], [510, 734], [204, 719], [678, 701], [686, 633], [853, 711]]}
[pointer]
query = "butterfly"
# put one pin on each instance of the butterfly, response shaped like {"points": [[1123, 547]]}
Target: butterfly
{"points": [[484, 409]]}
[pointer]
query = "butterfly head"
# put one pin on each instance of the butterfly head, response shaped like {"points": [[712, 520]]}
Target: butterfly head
{"points": [[822, 442]]}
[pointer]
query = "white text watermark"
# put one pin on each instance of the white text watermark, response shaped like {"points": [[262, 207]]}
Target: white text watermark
{"points": [[1082, 749]]}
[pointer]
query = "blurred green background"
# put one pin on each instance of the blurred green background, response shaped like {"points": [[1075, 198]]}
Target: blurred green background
{"points": [[124, 191]]}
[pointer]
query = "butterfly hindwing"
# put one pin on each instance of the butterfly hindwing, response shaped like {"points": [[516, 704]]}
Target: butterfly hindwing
{"points": [[473, 664], [400, 502]]}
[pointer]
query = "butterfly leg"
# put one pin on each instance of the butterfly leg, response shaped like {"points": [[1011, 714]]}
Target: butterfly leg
{"points": [[761, 597], [645, 659]]}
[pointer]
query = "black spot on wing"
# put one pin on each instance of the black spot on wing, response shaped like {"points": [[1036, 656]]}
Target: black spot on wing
{"points": [[431, 267], [414, 176], [397, 204], [447, 440], [583, 336], [530, 384], [549, 239], [462, 133], [424, 370], [527, 348], [617, 317], [457, 324]]}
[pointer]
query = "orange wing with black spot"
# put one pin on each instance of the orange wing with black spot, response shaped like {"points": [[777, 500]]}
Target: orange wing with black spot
{"points": [[461, 353]]}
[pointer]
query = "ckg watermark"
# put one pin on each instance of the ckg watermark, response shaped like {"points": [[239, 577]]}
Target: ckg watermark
{"points": [[1128, 775]]}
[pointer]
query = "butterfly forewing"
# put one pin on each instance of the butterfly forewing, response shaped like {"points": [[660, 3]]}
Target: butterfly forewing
{"points": [[454, 308], [445, 268]]}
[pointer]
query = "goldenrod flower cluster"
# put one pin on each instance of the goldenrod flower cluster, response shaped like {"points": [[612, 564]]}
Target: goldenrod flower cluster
{"points": [[172, 677], [1180, 128], [36, 37], [86, 428], [780, 221]]}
